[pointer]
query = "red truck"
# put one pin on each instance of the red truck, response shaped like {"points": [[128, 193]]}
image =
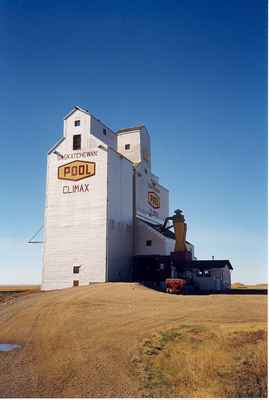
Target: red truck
{"points": [[175, 286]]}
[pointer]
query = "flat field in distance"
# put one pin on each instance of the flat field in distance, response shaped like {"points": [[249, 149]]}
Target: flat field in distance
{"points": [[125, 340], [19, 288], [239, 285], [9, 293]]}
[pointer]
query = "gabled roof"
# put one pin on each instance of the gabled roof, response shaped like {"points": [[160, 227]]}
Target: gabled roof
{"points": [[56, 145], [134, 128], [75, 108], [209, 264]]}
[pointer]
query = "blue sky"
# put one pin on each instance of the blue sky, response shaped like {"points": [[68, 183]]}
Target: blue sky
{"points": [[194, 72]]}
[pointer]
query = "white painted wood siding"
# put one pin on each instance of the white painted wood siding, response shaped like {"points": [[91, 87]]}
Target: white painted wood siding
{"points": [[145, 183], [160, 244], [120, 217], [75, 223]]}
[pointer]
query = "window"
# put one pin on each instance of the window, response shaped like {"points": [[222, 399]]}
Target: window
{"points": [[207, 273], [76, 270], [127, 147], [199, 273], [104, 131], [146, 171], [76, 142], [77, 122], [75, 283], [149, 243]]}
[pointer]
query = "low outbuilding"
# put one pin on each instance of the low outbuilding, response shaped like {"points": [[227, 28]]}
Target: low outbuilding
{"points": [[208, 275]]}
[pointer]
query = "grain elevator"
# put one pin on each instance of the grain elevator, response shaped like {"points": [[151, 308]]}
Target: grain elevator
{"points": [[102, 204]]}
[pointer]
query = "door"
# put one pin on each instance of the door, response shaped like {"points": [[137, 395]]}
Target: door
{"points": [[218, 284]]}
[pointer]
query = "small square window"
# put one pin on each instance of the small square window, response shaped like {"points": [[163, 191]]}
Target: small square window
{"points": [[77, 122], [104, 131], [76, 142], [206, 273], [127, 147], [199, 273], [76, 270], [75, 283], [149, 243]]}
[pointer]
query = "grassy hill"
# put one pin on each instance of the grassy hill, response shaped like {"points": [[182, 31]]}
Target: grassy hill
{"points": [[124, 340]]}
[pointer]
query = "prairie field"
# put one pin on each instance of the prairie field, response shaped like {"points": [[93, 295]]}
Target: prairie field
{"points": [[125, 340], [9, 293], [239, 285], [19, 288]]}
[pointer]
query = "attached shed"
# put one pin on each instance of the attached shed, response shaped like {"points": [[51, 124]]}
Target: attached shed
{"points": [[205, 275], [208, 275]]}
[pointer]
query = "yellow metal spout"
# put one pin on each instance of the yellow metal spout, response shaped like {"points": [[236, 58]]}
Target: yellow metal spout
{"points": [[180, 228]]}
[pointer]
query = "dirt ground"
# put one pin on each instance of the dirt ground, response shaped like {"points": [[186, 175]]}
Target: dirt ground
{"points": [[80, 342]]}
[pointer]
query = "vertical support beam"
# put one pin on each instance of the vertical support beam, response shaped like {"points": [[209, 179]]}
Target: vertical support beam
{"points": [[134, 218], [107, 215]]}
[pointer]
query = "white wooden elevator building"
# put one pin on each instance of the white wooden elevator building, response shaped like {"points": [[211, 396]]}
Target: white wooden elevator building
{"points": [[102, 202]]}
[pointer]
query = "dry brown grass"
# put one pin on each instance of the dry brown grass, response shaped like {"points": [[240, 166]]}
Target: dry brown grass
{"points": [[205, 361], [239, 285], [81, 342], [19, 288], [9, 293]]}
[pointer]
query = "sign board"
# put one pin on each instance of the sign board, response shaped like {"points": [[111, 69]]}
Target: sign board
{"points": [[154, 200], [76, 170]]}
